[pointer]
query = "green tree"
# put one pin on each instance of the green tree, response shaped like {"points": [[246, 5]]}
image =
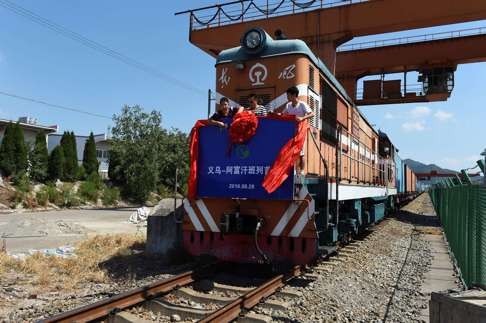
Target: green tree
{"points": [[21, 159], [7, 151], [70, 167], [175, 154], [90, 162], [115, 168], [39, 159], [56, 163], [137, 139]]}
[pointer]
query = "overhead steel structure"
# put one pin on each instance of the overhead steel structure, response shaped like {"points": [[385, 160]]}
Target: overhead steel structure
{"points": [[325, 26]]}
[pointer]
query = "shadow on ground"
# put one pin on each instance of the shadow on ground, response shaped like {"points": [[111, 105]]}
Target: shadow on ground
{"points": [[134, 264]]}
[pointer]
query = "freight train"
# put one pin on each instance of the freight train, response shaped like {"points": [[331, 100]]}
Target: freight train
{"points": [[246, 203]]}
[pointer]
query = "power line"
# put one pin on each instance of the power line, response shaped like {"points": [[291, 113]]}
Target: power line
{"points": [[62, 107], [96, 46]]}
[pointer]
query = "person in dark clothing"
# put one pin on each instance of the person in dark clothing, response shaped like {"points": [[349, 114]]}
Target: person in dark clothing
{"points": [[223, 111]]}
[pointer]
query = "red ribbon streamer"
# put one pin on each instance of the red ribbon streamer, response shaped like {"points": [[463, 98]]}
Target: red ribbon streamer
{"points": [[286, 158], [194, 154]]}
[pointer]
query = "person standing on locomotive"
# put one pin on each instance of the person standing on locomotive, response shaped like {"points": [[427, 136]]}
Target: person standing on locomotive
{"points": [[223, 111], [301, 111], [255, 106]]}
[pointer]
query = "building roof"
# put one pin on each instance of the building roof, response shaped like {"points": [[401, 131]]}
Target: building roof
{"points": [[31, 126]]}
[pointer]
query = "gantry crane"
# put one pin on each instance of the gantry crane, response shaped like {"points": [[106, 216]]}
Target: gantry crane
{"points": [[325, 26]]}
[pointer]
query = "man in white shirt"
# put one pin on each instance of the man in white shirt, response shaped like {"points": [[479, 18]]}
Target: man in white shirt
{"points": [[301, 111]]}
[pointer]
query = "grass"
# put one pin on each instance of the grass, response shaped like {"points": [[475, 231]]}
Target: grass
{"points": [[51, 272]]}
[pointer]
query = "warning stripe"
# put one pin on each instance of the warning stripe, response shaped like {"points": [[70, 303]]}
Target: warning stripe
{"points": [[192, 215]]}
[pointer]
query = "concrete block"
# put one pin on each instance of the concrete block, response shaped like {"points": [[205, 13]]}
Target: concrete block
{"points": [[275, 305], [254, 318], [126, 317], [467, 306], [164, 234], [165, 308]]}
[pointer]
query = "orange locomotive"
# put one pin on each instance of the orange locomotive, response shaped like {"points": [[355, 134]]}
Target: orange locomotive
{"points": [[349, 181]]}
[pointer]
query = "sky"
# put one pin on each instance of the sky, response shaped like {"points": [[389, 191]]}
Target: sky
{"points": [[39, 63]]}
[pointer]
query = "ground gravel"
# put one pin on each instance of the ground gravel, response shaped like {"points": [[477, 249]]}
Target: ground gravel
{"points": [[380, 282]]}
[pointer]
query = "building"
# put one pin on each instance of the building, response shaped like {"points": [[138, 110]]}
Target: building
{"points": [[426, 180], [103, 147], [30, 128]]}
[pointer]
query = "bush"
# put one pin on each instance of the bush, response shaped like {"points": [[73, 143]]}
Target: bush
{"points": [[22, 183], [69, 198], [53, 195], [89, 191], [96, 180], [42, 197], [111, 196]]}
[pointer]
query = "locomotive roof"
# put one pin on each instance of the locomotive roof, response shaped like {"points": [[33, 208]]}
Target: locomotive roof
{"points": [[277, 48]]}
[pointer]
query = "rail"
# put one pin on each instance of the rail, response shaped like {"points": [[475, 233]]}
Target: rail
{"points": [[413, 39], [248, 10], [231, 311], [107, 306]]}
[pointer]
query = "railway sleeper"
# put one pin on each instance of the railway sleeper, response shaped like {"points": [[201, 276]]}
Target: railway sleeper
{"points": [[192, 295], [168, 309]]}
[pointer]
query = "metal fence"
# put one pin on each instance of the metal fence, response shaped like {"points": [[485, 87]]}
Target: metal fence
{"points": [[462, 212]]}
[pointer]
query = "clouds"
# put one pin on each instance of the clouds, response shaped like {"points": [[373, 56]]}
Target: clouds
{"points": [[419, 118], [420, 112], [443, 115], [413, 126]]}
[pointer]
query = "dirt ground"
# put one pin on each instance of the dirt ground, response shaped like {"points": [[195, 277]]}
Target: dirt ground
{"points": [[24, 232]]}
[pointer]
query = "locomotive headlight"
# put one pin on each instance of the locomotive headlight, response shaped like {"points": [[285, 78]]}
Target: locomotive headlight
{"points": [[253, 39]]}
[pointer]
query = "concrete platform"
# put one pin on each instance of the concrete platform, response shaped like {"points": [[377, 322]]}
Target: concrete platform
{"points": [[441, 276]]}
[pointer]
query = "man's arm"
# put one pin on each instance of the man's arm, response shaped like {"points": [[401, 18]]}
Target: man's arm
{"points": [[307, 116], [279, 110]]}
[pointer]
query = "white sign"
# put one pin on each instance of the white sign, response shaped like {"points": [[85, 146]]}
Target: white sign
{"points": [[288, 73], [224, 79], [258, 74]]}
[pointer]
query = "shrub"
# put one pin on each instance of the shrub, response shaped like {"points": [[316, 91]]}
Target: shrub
{"points": [[96, 180], [42, 197], [165, 192], [111, 196], [22, 183], [29, 201], [89, 191], [81, 173], [53, 195], [69, 198]]}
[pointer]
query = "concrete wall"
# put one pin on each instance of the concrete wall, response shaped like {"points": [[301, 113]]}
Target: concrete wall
{"points": [[459, 307]]}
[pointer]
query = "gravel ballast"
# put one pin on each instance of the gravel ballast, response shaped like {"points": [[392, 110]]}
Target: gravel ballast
{"points": [[380, 281]]}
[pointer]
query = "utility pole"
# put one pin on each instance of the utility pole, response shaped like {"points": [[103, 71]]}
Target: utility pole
{"points": [[210, 98]]}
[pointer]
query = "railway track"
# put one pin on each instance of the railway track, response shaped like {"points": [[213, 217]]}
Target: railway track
{"points": [[157, 297], [177, 299]]}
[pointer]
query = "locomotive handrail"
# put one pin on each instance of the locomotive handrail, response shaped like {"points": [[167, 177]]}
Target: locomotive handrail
{"points": [[326, 177]]}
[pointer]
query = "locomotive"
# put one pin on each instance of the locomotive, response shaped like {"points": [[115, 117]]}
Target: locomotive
{"points": [[353, 174]]}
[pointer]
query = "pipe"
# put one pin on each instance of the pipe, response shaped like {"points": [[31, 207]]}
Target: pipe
{"points": [[338, 173], [260, 251]]}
